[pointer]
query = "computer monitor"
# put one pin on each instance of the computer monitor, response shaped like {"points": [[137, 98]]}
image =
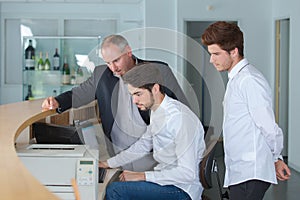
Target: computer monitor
{"points": [[82, 133], [46, 133], [87, 133]]}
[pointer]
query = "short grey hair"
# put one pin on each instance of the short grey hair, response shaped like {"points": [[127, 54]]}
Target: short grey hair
{"points": [[142, 75], [117, 40]]}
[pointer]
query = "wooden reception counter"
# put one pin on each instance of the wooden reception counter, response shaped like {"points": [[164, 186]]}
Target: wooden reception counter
{"points": [[15, 180]]}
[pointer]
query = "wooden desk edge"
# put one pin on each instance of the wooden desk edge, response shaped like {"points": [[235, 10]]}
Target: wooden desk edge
{"points": [[16, 182], [31, 120]]}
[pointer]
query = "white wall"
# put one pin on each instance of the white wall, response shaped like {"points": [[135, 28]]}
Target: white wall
{"points": [[161, 14]]}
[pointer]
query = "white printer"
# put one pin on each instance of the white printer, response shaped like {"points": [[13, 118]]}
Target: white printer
{"points": [[56, 165]]}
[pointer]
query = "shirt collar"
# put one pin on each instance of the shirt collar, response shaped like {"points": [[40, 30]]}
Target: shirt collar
{"points": [[237, 68], [163, 104], [136, 61]]}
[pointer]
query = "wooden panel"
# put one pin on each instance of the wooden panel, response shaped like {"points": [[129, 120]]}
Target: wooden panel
{"points": [[61, 119]]}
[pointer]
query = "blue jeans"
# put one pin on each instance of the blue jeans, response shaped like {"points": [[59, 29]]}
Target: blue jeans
{"points": [[136, 190]]}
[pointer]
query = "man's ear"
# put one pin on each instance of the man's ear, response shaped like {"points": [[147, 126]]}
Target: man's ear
{"points": [[235, 52], [155, 88], [128, 51]]}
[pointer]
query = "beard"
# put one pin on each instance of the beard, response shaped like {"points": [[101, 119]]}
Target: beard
{"points": [[147, 106]]}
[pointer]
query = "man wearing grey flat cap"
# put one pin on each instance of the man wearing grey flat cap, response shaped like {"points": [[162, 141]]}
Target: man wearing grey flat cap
{"points": [[175, 135], [121, 121]]}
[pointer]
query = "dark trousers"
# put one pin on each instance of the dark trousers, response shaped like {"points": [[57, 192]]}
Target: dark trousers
{"points": [[249, 190]]}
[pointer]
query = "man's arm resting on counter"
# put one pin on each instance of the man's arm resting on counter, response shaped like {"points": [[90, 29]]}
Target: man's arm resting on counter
{"points": [[65, 101]]}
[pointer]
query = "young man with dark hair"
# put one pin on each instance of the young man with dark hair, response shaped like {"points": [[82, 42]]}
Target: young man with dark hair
{"points": [[252, 140], [176, 136]]}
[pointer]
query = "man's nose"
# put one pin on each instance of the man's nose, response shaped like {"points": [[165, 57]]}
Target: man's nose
{"points": [[113, 67], [134, 100], [211, 59]]}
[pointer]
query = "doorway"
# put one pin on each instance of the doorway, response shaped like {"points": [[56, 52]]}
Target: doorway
{"points": [[282, 47], [199, 75], [194, 72]]}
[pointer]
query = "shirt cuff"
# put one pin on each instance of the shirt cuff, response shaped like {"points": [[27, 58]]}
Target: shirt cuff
{"points": [[59, 110], [278, 158], [149, 176], [112, 163]]}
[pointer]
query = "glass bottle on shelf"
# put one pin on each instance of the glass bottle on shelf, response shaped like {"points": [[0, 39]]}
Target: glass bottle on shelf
{"points": [[29, 95], [73, 79], [47, 64], [65, 72], [41, 62], [79, 75], [56, 60], [29, 56], [54, 93]]}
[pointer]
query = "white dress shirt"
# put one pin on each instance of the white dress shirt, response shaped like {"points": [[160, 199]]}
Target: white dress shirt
{"points": [[252, 139], [176, 136], [127, 128]]}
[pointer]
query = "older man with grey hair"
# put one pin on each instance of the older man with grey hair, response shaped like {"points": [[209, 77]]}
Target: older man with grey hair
{"points": [[175, 135]]}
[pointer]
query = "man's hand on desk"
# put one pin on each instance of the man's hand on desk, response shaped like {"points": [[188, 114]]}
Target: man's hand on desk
{"points": [[103, 164], [49, 104], [132, 176], [125, 175]]}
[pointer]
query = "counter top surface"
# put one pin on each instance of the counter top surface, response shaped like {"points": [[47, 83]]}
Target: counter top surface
{"points": [[16, 182]]}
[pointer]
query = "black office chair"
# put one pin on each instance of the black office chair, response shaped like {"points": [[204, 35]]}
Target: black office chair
{"points": [[208, 165]]}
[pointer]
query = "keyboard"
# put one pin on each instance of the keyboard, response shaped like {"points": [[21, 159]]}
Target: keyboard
{"points": [[101, 174]]}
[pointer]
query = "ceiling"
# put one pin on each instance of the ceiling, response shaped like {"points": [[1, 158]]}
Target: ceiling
{"points": [[75, 1]]}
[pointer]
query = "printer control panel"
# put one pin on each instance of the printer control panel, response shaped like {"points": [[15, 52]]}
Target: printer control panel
{"points": [[85, 172]]}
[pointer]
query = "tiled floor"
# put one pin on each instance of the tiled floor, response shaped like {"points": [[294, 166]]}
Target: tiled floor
{"points": [[287, 190]]}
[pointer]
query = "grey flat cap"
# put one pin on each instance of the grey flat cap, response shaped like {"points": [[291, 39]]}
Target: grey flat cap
{"points": [[140, 75]]}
